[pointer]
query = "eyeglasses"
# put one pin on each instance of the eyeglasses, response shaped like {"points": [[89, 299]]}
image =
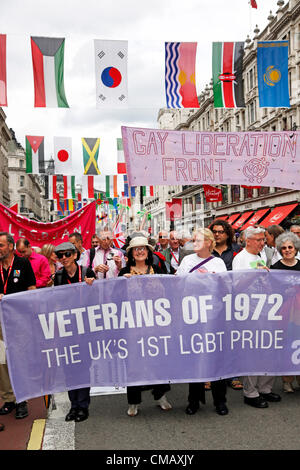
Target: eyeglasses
{"points": [[287, 247], [67, 254], [162, 236], [218, 231], [139, 248], [257, 239]]}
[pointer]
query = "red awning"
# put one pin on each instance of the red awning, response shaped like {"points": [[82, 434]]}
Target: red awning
{"points": [[233, 217], [242, 219], [255, 218], [277, 215], [222, 217]]}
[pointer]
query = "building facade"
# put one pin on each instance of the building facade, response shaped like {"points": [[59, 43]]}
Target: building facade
{"points": [[5, 138], [196, 212]]}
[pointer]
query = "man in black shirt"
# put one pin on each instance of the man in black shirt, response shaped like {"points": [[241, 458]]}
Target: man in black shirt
{"points": [[16, 275]]}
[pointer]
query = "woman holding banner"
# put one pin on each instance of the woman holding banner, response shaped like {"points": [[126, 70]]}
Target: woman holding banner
{"points": [[288, 245], [202, 261], [140, 262]]}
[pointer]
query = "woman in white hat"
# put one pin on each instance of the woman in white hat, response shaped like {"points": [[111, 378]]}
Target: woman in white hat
{"points": [[140, 262]]}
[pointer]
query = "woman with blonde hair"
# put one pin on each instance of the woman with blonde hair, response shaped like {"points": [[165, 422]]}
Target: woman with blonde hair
{"points": [[48, 251], [203, 261]]}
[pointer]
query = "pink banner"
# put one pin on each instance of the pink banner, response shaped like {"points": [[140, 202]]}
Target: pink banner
{"points": [[164, 157], [39, 233]]}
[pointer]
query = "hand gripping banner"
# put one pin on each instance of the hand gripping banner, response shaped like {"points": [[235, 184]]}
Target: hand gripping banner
{"points": [[152, 329]]}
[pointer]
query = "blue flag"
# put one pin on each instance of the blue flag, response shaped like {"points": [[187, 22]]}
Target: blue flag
{"points": [[272, 74]]}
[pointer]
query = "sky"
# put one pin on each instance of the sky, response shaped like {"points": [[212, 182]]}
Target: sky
{"points": [[146, 26]]}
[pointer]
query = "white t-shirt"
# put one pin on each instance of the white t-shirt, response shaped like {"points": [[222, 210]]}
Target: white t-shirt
{"points": [[215, 265], [245, 260]]}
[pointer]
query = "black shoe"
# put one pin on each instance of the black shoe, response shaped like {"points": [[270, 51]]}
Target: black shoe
{"points": [[2, 427], [7, 408], [257, 402], [21, 410], [81, 415], [192, 408], [270, 396], [71, 415], [222, 409]]}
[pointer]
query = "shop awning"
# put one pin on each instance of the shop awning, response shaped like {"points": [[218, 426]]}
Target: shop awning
{"points": [[242, 219], [222, 217], [278, 214], [233, 217], [255, 218]]}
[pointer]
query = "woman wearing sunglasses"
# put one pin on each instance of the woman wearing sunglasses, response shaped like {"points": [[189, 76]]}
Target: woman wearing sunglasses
{"points": [[70, 274], [140, 262], [288, 245]]}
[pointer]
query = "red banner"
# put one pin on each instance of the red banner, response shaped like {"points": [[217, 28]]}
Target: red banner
{"points": [[212, 194], [174, 209], [39, 233]]}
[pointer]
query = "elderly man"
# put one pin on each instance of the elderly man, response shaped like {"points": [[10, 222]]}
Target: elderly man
{"points": [[16, 275], [95, 241], [257, 389], [173, 252], [163, 240], [107, 261], [39, 263]]}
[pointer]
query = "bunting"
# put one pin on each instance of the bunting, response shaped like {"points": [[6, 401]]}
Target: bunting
{"points": [[121, 165], [90, 149], [180, 81], [227, 64], [35, 162], [63, 155], [51, 187], [87, 187], [48, 72], [148, 191], [111, 186], [69, 187]]}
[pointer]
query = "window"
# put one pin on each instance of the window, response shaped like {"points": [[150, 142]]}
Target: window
{"points": [[252, 112], [21, 164], [235, 193], [251, 79], [22, 201], [22, 180]]}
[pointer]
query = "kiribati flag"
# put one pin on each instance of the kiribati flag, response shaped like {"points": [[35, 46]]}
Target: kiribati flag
{"points": [[48, 72], [227, 65], [272, 74], [180, 81]]}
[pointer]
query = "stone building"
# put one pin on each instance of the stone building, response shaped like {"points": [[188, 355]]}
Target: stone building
{"points": [[5, 137], [284, 24]]}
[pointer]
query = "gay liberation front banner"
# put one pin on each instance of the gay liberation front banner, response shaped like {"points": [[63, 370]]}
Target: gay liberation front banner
{"points": [[155, 157], [39, 233], [152, 329]]}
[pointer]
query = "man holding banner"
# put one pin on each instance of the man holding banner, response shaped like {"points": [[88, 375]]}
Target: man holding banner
{"points": [[257, 389], [16, 275]]}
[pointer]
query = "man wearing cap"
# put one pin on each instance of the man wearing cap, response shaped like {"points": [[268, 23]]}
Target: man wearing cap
{"points": [[107, 261], [16, 275], [72, 273]]}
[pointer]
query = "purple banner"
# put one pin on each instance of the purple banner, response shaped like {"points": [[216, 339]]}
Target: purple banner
{"points": [[152, 329]]}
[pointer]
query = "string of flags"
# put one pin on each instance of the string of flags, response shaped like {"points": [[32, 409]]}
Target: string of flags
{"points": [[111, 58]]}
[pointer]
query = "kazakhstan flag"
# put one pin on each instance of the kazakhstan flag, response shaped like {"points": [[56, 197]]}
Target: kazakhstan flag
{"points": [[272, 74]]}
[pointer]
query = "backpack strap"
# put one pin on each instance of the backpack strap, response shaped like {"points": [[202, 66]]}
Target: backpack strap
{"points": [[92, 256]]}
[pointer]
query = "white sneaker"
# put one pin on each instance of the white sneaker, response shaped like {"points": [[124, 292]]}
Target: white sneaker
{"points": [[164, 404], [287, 387], [132, 410]]}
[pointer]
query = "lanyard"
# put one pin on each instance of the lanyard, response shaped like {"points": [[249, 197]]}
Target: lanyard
{"points": [[174, 257], [79, 274], [8, 274]]}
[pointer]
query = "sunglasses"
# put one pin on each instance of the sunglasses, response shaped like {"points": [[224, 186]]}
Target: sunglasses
{"points": [[67, 254]]}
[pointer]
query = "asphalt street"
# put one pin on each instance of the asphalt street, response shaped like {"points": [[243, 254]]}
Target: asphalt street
{"points": [[244, 428]]}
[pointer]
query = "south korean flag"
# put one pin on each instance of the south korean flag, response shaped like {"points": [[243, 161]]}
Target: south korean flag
{"points": [[111, 73]]}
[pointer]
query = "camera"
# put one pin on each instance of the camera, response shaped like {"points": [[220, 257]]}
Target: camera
{"points": [[110, 256]]}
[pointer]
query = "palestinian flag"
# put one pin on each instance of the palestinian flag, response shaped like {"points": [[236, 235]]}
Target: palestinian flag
{"points": [[88, 187], [111, 186], [69, 187], [121, 165], [227, 64], [3, 91], [48, 72], [35, 162], [147, 191], [90, 149]]}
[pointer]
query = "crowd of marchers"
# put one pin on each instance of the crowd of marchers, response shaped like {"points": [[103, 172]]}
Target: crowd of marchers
{"points": [[214, 249]]}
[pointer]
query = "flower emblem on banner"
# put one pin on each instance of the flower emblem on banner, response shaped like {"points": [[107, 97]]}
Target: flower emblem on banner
{"points": [[256, 170]]}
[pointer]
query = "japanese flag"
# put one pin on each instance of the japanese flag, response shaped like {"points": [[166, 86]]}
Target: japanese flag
{"points": [[63, 155]]}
